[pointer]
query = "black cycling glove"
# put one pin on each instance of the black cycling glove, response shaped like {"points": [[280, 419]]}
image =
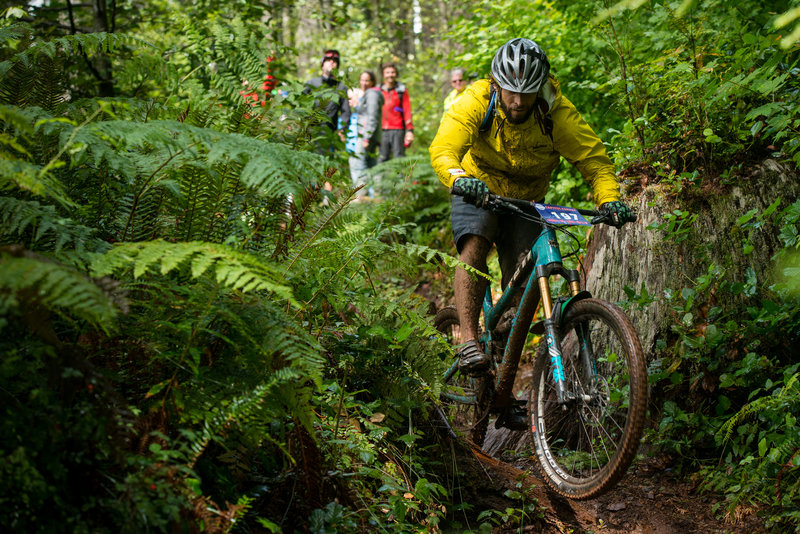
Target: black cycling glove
{"points": [[616, 213], [471, 190]]}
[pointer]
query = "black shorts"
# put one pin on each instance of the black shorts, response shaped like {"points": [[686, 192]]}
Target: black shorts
{"points": [[512, 235]]}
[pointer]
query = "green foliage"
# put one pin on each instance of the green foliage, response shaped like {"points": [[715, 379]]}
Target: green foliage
{"points": [[175, 299], [713, 104], [39, 227], [728, 372], [187, 324], [233, 269], [526, 514], [34, 282], [767, 467], [677, 225], [681, 77]]}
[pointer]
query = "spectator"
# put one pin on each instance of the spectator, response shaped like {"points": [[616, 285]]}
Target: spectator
{"points": [[353, 98], [459, 83], [398, 130], [369, 108], [337, 107]]}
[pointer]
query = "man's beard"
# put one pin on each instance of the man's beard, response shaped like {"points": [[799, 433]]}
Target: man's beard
{"points": [[510, 118]]}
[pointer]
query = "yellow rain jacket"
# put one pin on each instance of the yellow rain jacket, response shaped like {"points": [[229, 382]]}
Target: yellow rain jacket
{"points": [[516, 160]]}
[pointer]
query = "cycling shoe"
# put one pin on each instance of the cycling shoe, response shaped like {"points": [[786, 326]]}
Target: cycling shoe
{"points": [[471, 359], [515, 417]]}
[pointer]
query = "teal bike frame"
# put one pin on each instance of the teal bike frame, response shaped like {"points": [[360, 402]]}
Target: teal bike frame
{"points": [[532, 279]]}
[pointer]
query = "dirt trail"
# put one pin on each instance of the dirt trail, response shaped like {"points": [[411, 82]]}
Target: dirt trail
{"points": [[649, 500]]}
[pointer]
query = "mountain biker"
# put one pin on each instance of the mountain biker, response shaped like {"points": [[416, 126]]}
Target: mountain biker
{"points": [[510, 147]]}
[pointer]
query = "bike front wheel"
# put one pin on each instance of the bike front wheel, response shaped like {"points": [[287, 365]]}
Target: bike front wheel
{"points": [[465, 399], [586, 443]]}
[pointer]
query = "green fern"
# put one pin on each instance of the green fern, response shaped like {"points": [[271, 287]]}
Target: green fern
{"points": [[211, 352], [403, 356], [16, 174], [40, 227], [16, 83], [241, 408], [81, 43], [786, 399], [29, 281], [235, 269], [157, 146], [429, 255]]}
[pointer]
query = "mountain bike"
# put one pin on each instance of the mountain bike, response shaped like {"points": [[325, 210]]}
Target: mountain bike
{"points": [[588, 395]]}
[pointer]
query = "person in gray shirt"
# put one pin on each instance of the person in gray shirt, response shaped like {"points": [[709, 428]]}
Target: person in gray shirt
{"points": [[369, 110]]}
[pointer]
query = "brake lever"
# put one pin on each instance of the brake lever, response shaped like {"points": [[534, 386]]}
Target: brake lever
{"points": [[605, 218], [612, 219]]}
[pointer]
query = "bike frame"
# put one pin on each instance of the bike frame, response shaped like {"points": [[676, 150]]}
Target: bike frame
{"points": [[532, 277]]}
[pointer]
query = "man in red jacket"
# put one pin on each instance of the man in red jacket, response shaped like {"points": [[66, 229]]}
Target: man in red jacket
{"points": [[398, 130]]}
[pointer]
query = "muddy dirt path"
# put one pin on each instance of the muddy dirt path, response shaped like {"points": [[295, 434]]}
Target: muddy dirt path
{"points": [[649, 500]]}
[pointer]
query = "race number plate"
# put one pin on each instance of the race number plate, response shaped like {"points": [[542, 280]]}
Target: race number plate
{"points": [[561, 215]]}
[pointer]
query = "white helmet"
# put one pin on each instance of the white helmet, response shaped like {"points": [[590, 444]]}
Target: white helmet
{"points": [[520, 66]]}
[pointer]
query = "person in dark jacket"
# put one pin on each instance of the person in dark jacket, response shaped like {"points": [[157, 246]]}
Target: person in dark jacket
{"points": [[337, 107]]}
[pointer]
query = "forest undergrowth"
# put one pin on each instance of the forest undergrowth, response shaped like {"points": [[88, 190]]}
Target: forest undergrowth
{"points": [[197, 336]]}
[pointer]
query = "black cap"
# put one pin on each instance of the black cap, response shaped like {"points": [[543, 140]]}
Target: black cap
{"points": [[331, 54]]}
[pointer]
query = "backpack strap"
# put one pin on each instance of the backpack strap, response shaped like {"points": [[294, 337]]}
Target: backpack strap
{"points": [[399, 89], [544, 118], [486, 125]]}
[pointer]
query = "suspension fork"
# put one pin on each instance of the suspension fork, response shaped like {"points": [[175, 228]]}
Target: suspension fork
{"points": [[552, 340], [584, 339]]}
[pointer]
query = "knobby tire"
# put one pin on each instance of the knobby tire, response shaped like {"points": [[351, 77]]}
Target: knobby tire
{"points": [[584, 449]]}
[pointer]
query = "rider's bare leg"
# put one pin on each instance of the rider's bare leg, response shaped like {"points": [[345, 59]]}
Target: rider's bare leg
{"points": [[469, 290]]}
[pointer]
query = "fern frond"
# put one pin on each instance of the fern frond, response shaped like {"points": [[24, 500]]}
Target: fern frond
{"points": [[16, 81], [317, 231], [238, 408], [786, 450], [786, 399], [238, 58], [273, 168], [29, 281], [21, 120], [285, 386], [430, 254], [41, 227], [48, 90], [235, 269], [79, 43], [17, 174]]}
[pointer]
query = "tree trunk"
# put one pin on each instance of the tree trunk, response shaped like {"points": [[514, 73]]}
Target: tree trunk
{"points": [[101, 62], [637, 257]]}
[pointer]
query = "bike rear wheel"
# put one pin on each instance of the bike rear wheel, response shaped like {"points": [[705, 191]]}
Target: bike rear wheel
{"points": [[587, 444], [465, 400]]}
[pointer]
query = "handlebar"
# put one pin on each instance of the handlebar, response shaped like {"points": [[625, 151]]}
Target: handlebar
{"points": [[526, 207]]}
